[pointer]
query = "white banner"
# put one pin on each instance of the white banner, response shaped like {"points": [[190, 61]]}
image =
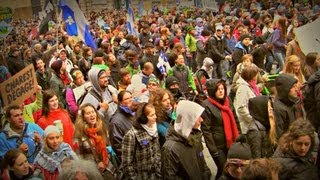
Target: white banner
{"points": [[308, 37]]}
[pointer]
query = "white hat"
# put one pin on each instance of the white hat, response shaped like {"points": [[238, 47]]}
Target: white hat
{"points": [[51, 129]]}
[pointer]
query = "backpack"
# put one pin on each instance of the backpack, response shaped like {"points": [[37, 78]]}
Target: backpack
{"points": [[92, 92]]}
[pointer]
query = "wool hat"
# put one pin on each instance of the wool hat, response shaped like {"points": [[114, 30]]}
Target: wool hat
{"points": [[171, 80], [50, 129], [240, 149], [149, 45], [219, 27], [61, 50], [244, 36], [190, 28], [56, 66], [153, 79]]}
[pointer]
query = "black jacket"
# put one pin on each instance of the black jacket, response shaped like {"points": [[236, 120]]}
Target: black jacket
{"points": [[312, 106], [183, 158], [296, 167]]}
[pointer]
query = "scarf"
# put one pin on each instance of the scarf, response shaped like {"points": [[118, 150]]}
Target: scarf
{"points": [[65, 79], [229, 123], [253, 85], [127, 110], [152, 131], [99, 143]]}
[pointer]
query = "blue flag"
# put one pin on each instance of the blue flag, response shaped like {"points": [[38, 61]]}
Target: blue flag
{"points": [[163, 64], [130, 20], [76, 23]]}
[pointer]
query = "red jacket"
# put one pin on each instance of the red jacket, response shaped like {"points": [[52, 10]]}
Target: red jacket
{"points": [[68, 127]]}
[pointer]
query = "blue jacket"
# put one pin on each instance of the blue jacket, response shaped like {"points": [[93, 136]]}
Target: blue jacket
{"points": [[8, 140]]}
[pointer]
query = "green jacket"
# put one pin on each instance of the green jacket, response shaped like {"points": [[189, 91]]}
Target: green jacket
{"points": [[190, 76], [191, 43]]}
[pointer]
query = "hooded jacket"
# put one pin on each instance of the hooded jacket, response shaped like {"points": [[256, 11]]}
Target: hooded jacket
{"points": [[312, 107], [239, 51], [181, 157], [105, 95], [284, 105]]}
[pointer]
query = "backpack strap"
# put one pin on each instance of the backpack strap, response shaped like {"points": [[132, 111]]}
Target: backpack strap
{"points": [[96, 95], [20, 139]]}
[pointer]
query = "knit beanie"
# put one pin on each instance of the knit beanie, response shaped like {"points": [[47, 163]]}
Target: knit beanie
{"points": [[243, 36], [240, 149], [51, 129], [154, 79], [171, 80], [56, 66]]}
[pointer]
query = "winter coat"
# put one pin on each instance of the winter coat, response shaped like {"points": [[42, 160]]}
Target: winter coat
{"points": [[120, 123], [278, 42], [43, 79], [191, 43], [239, 51], [284, 107], [312, 107], [221, 44], [9, 138], [213, 129], [202, 51], [51, 164], [59, 114], [57, 86], [183, 159], [296, 167], [105, 95], [141, 158], [15, 64], [261, 144], [244, 93], [187, 79]]}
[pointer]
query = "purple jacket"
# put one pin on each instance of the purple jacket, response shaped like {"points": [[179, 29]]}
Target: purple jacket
{"points": [[278, 42]]}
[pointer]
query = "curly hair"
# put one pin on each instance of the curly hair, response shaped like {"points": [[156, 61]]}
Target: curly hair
{"points": [[81, 124], [156, 99], [298, 128]]}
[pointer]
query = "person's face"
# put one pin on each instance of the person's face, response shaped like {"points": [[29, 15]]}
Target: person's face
{"points": [[152, 86], [16, 119], [40, 64], [161, 43], [240, 30], [235, 170], [220, 92], [53, 103], [54, 140], [295, 23], [166, 104], [126, 79], [79, 80], [152, 117], [103, 80], [301, 145], [63, 55], [246, 62], [227, 29], [219, 32], [148, 71], [198, 123], [296, 67], [246, 41], [20, 166], [111, 59], [179, 33], [150, 50], [180, 60], [127, 100], [90, 116], [293, 90], [80, 176], [121, 35]]}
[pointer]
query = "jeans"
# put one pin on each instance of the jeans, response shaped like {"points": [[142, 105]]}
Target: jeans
{"points": [[224, 68], [269, 62], [279, 57]]}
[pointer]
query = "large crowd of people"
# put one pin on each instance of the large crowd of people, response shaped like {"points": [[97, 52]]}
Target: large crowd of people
{"points": [[145, 105]]}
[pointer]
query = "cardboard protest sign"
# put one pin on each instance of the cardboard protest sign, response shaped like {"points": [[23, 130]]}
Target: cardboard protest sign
{"points": [[19, 87]]}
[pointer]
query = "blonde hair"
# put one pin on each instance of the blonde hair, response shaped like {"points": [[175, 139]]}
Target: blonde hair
{"points": [[288, 68]]}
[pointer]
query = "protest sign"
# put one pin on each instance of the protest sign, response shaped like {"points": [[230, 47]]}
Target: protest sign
{"points": [[5, 29], [19, 87], [308, 37]]}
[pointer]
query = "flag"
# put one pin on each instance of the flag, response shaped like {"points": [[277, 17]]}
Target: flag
{"points": [[130, 20], [76, 23], [163, 64], [5, 29], [140, 7], [45, 16]]}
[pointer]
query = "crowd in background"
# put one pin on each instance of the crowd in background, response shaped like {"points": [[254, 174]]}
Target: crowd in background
{"points": [[145, 105]]}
